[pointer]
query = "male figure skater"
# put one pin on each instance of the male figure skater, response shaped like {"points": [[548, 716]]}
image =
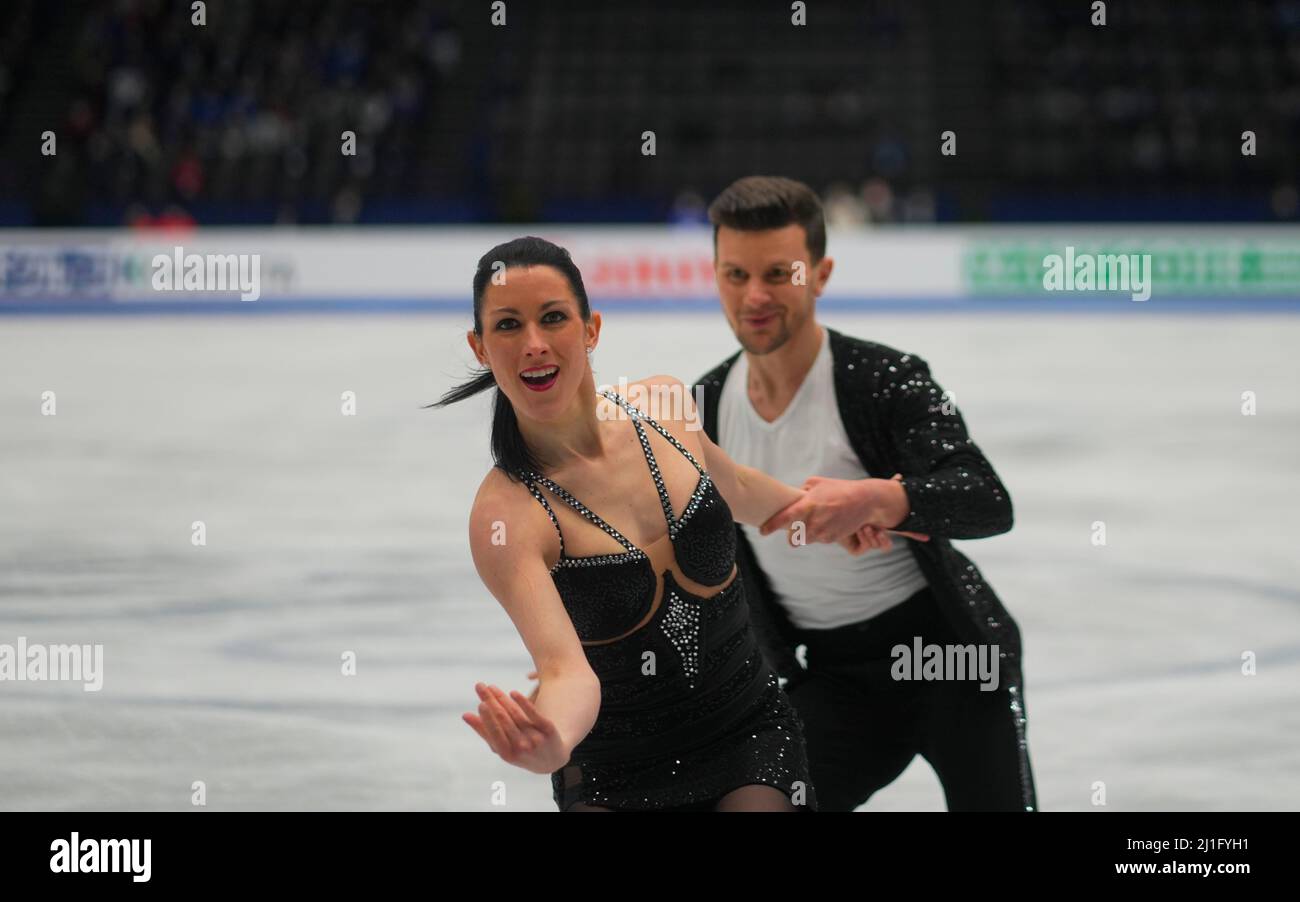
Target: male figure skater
{"points": [[799, 399]]}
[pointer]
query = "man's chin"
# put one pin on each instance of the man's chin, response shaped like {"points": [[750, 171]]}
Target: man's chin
{"points": [[763, 344]]}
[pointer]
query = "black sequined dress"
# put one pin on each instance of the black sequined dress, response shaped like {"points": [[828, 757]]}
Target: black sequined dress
{"points": [[689, 708]]}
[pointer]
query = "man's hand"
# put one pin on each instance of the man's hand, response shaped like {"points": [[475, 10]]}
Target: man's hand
{"points": [[834, 509], [869, 538]]}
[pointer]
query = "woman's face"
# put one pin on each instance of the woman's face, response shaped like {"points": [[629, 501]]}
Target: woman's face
{"points": [[534, 339]]}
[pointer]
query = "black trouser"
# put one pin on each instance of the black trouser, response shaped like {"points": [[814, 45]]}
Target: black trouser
{"points": [[862, 727]]}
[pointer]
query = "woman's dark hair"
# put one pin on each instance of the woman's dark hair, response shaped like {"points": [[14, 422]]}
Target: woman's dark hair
{"points": [[509, 450]]}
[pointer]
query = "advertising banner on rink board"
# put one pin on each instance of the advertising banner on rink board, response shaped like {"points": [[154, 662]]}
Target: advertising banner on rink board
{"points": [[648, 267]]}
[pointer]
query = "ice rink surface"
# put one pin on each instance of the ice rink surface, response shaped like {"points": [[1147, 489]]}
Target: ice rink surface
{"points": [[329, 534]]}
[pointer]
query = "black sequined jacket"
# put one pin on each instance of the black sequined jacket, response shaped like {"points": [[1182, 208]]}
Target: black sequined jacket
{"points": [[894, 414]]}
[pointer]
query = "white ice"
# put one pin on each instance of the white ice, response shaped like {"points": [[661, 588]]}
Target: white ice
{"points": [[329, 533]]}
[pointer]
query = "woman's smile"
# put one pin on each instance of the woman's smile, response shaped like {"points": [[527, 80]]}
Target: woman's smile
{"points": [[540, 378]]}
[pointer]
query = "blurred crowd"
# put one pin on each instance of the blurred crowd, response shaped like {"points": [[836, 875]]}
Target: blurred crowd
{"points": [[241, 119], [245, 115]]}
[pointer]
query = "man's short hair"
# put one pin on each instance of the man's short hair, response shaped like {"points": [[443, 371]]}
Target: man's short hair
{"points": [[758, 202]]}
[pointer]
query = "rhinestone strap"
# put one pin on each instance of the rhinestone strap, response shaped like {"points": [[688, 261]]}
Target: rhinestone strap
{"points": [[674, 524], [696, 497], [599, 559], [550, 513], [658, 477], [636, 414], [584, 510]]}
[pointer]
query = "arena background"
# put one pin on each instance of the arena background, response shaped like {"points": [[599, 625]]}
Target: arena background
{"points": [[128, 414]]}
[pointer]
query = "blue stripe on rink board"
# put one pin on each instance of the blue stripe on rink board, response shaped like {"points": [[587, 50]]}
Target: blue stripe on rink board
{"points": [[1077, 302]]}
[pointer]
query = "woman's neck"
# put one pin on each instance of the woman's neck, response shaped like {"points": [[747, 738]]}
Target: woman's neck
{"points": [[574, 435]]}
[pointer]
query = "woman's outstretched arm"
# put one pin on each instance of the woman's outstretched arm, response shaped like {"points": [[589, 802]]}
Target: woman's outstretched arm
{"points": [[507, 546]]}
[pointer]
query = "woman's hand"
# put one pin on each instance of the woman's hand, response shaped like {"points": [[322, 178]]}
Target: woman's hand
{"points": [[514, 729], [829, 509]]}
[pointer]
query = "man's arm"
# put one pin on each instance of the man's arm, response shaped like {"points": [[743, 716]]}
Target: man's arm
{"points": [[952, 489]]}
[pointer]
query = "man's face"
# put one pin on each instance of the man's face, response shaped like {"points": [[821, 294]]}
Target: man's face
{"points": [[768, 283]]}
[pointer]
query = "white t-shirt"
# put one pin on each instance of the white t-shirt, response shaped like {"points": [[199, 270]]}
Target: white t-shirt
{"points": [[820, 585]]}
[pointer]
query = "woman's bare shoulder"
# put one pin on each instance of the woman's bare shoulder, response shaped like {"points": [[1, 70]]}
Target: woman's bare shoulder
{"points": [[503, 508], [659, 397], [498, 489], [668, 401], [499, 497]]}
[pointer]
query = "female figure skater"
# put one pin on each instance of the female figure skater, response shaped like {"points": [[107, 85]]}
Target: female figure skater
{"points": [[653, 694]]}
